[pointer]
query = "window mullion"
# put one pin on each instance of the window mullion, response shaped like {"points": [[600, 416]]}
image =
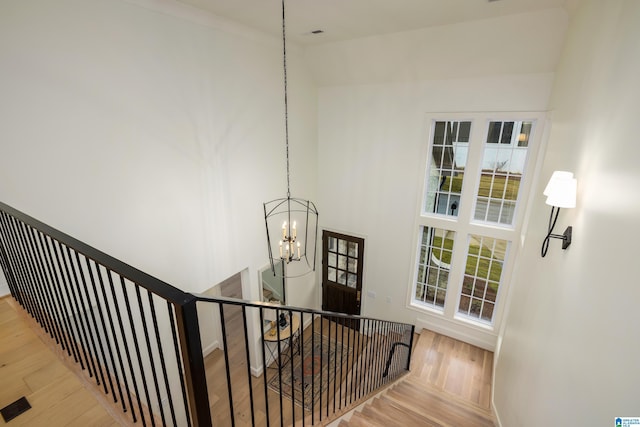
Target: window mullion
{"points": [[462, 226], [473, 169], [458, 262]]}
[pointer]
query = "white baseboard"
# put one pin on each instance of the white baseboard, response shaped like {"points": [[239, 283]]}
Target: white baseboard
{"points": [[209, 349], [495, 412], [257, 371], [480, 338]]}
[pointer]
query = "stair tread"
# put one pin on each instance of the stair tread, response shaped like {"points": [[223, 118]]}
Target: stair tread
{"points": [[439, 408], [373, 412], [359, 420], [425, 396], [369, 418], [418, 386], [400, 415]]}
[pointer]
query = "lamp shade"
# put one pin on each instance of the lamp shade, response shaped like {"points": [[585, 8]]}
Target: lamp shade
{"points": [[561, 190]]}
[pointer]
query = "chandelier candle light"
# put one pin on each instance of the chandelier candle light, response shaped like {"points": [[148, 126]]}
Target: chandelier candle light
{"points": [[291, 211]]}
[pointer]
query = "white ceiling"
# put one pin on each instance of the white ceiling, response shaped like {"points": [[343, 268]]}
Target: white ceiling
{"points": [[349, 19]]}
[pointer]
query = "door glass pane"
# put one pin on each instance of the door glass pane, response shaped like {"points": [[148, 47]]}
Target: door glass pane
{"points": [[447, 162], [342, 246], [353, 249], [483, 273], [332, 260], [342, 277], [333, 245], [352, 280], [353, 265], [331, 274], [434, 262], [342, 262], [503, 163]]}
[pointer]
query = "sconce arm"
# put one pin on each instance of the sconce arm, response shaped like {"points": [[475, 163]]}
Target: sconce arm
{"points": [[565, 237]]}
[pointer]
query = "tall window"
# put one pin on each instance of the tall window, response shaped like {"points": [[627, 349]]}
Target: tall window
{"points": [[449, 156], [503, 162], [477, 177], [482, 274], [433, 266]]}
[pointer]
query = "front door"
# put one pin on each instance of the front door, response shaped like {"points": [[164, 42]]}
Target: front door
{"points": [[342, 266]]}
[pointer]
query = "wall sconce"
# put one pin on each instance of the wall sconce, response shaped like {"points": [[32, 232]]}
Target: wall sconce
{"points": [[561, 193]]}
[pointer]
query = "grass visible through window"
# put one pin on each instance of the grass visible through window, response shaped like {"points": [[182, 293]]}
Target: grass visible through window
{"points": [[477, 258], [497, 191]]}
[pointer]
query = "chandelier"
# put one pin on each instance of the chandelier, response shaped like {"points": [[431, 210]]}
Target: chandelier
{"points": [[294, 221]]}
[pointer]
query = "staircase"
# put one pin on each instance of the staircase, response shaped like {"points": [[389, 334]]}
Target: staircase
{"points": [[449, 385], [137, 339]]}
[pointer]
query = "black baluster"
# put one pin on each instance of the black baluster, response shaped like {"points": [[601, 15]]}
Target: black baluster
{"points": [[104, 333], [264, 369], [176, 348], [226, 363], [123, 337], [246, 346], [163, 365], [154, 374], [136, 346]]}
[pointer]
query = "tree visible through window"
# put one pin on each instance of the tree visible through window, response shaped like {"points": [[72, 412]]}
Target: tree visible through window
{"points": [[449, 153]]}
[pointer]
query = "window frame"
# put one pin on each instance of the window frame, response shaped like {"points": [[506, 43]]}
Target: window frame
{"points": [[464, 225]]}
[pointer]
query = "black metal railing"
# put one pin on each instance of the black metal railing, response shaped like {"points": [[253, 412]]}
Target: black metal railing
{"points": [[134, 335], [314, 367], [138, 339]]}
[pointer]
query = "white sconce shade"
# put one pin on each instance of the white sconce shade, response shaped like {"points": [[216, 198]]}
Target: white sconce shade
{"points": [[561, 193], [561, 190]]}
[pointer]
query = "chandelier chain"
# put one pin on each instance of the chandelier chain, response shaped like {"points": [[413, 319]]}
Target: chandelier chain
{"points": [[303, 212], [286, 104]]}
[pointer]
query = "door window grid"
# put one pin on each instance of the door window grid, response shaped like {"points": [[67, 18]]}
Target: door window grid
{"points": [[481, 281], [449, 151], [342, 262], [433, 266]]}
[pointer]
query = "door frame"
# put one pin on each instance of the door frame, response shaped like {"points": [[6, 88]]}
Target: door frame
{"points": [[359, 272]]}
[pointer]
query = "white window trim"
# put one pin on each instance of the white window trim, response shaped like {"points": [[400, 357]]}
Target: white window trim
{"points": [[447, 320]]}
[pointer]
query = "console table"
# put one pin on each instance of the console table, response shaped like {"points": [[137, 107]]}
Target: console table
{"points": [[288, 336]]}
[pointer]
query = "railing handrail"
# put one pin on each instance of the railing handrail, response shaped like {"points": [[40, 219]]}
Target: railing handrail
{"points": [[155, 285], [259, 304], [391, 353]]}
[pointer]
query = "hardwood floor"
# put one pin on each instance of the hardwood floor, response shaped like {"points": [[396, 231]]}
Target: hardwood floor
{"points": [[449, 385], [29, 368], [217, 383]]}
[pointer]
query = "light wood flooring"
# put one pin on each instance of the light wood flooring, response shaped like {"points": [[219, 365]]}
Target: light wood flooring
{"points": [[29, 368], [217, 383], [449, 385]]}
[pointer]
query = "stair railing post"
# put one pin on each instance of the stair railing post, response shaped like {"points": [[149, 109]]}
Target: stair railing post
{"points": [[413, 329], [193, 361]]}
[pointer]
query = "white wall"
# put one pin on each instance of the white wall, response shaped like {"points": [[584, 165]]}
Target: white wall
{"points": [[152, 137], [4, 287], [373, 136], [516, 44], [570, 350]]}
